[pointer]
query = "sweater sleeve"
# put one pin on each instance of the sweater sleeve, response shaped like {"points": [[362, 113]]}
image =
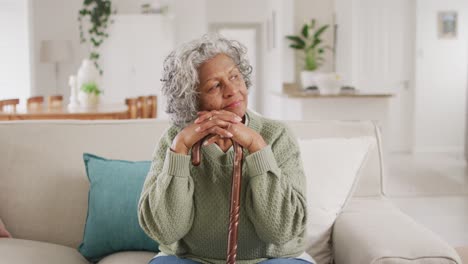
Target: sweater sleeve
{"points": [[165, 208], [275, 197]]}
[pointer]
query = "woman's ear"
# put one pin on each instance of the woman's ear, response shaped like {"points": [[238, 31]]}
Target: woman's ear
{"points": [[3, 231]]}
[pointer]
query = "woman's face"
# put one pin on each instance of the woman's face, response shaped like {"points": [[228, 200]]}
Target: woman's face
{"points": [[222, 86]]}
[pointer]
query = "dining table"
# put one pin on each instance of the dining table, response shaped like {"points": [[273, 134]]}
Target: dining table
{"points": [[111, 111]]}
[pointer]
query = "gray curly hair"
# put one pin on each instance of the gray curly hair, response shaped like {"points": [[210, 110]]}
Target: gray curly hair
{"points": [[180, 73]]}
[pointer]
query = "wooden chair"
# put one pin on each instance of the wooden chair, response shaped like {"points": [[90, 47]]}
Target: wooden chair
{"points": [[35, 102], [152, 106], [142, 106], [9, 105], [54, 101], [132, 107]]}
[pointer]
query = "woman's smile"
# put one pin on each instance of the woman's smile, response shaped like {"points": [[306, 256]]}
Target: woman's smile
{"points": [[234, 104]]}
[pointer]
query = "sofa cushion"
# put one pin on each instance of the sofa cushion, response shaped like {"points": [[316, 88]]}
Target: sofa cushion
{"points": [[134, 257], [331, 166], [20, 251], [112, 221], [375, 231]]}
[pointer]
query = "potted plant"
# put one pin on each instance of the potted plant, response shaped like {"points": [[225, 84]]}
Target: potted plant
{"points": [[89, 95], [310, 43], [99, 13]]}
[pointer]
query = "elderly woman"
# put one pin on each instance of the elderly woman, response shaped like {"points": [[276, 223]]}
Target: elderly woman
{"points": [[185, 208]]}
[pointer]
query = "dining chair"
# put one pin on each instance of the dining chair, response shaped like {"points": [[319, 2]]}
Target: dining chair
{"points": [[132, 107], [9, 105], [35, 102], [152, 106], [142, 107], [55, 101]]}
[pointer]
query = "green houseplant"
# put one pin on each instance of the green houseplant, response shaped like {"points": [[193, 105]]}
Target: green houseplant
{"points": [[89, 95], [91, 88], [99, 13], [310, 43]]}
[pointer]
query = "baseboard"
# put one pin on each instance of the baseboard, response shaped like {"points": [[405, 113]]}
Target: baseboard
{"points": [[441, 150]]}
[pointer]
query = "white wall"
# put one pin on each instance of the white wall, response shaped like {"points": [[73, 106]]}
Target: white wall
{"points": [[15, 79], [441, 79], [190, 19], [239, 11], [57, 19]]}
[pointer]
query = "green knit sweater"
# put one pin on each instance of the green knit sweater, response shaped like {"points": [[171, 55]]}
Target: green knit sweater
{"points": [[186, 208]]}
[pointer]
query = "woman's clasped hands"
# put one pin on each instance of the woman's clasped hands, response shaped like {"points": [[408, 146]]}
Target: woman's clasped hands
{"points": [[223, 126]]}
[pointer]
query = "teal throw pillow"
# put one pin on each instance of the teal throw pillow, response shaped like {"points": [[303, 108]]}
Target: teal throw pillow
{"points": [[112, 221]]}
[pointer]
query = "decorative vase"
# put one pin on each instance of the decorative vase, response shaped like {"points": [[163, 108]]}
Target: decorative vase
{"points": [[87, 73], [73, 93], [328, 83], [308, 79]]}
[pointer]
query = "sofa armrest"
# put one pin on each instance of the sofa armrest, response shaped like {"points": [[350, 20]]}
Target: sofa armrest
{"points": [[372, 230]]}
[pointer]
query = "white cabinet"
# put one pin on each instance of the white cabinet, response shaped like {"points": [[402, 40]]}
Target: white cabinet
{"points": [[133, 55]]}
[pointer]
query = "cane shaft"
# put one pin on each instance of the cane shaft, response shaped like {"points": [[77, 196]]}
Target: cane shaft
{"points": [[235, 196], [234, 209], [235, 204]]}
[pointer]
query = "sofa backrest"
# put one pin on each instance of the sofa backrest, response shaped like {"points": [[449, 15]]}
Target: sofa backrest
{"points": [[43, 183]]}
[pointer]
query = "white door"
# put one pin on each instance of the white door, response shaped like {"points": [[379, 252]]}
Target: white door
{"points": [[248, 37], [374, 53]]}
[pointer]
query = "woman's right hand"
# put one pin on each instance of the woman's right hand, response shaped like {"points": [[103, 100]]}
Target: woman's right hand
{"points": [[190, 134]]}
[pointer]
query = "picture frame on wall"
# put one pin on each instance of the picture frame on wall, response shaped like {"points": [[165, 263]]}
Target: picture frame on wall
{"points": [[447, 24]]}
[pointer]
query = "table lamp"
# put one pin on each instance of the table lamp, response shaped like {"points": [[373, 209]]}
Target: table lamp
{"points": [[56, 51]]}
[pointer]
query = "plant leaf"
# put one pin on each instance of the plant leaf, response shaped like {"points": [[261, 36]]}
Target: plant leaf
{"points": [[294, 46], [320, 31], [298, 41], [315, 43], [305, 31]]}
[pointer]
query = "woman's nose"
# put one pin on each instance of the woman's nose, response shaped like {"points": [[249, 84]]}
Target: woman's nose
{"points": [[230, 89]]}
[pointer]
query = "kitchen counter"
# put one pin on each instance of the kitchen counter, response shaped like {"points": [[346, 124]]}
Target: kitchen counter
{"points": [[291, 90]]}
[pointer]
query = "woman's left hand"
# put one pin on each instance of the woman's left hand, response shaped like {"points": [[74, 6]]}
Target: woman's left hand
{"points": [[242, 134]]}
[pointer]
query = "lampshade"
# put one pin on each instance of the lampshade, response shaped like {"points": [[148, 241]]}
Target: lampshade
{"points": [[55, 51]]}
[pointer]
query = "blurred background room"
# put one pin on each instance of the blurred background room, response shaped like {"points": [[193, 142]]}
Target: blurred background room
{"points": [[401, 63]]}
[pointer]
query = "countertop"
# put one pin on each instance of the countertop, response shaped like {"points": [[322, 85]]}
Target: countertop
{"points": [[291, 90]]}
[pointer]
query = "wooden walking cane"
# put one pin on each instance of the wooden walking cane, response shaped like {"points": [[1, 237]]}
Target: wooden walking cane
{"points": [[235, 196]]}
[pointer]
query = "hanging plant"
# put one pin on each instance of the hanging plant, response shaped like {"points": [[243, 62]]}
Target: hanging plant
{"points": [[99, 13]]}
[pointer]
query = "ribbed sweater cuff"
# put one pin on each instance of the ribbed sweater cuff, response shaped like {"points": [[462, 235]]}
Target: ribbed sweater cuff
{"points": [[260, 162], [177, 164]]}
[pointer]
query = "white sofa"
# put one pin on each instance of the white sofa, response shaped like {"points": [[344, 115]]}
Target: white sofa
{"points": [[44, 193]]}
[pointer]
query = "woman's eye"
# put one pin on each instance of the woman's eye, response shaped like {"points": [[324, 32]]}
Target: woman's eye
{"points": [[234, 77], [215, 86]]}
